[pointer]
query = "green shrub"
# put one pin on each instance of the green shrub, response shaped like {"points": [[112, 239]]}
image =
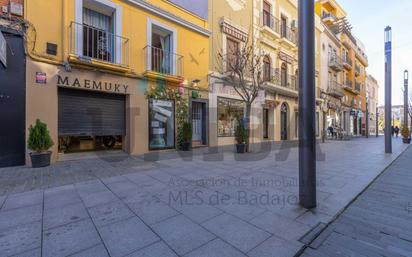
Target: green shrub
{"points": [[184, 134], [240, 132], [39, 137]]}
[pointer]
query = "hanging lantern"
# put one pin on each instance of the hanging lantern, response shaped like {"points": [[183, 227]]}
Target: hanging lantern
{"points": [[181, 90]]}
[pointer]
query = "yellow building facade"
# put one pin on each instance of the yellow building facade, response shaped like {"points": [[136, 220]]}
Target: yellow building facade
{"points": [[106, 74], [272, 27]]}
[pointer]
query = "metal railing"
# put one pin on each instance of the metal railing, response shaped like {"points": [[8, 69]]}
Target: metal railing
{"points": [[327, 15], [335, 61], [357, 86], [164, 62], [348, 83], [288, 33], [347, 61], [270, 21], [281, 79], [89, 42], [335, 88], [357, 70]]}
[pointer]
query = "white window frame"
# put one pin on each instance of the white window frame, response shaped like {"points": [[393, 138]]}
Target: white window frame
{"points": [[117, 10], [150, 23]]}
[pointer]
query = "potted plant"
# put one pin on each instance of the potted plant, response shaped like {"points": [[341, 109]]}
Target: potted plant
{"points": [[406, 134], [186, 136], [39, 143], [240, 136]]}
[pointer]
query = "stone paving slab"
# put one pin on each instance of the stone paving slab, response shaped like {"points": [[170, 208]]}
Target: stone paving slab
{"points": [[378, 222], [217, 204]]}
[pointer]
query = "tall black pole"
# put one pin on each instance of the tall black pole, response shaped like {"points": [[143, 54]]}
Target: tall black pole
{"points": [[405, 100], [388, 89], [307, 105], [377, 122]]}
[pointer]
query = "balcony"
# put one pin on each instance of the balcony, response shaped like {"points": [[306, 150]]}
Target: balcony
{"points": [[270, 21], [161, 64], [335, 89], [348, 84], [335, 62], [347, 63], [285, 84], [288, 33], [357, 87], [329, 18], [357, 70], [96, 47]]}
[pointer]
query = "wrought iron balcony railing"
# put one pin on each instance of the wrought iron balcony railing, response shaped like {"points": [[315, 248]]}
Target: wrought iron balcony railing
{"points": [[163, 62], [358, 87], [348, 83], [335, 89], [347, 62], [90, 43], [335, 62], [270, 21], [327, 15], [282, 79], [289, 34]]}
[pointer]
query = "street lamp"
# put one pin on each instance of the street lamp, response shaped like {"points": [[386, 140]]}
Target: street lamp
{"points": [[388, 89], [307, 105], [405, 99]]}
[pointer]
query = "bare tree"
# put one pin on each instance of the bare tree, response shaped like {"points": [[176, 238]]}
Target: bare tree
{"points": [[241, 68]]}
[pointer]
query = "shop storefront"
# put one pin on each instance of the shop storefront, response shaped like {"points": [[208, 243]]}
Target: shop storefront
{"points": [[87, 110]]}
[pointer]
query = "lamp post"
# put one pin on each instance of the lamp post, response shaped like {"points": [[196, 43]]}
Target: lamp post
{"points": [[388, 89], [307, 105], [405, 99]]}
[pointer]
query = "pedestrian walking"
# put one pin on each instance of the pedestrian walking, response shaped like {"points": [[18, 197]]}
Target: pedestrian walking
{"points": [[397, 131]]}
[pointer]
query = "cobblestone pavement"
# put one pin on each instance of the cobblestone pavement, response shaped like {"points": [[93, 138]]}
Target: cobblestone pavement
{"points": [[377, 223], [217, 205]]}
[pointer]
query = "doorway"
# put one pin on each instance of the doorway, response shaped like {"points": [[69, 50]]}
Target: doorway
{"points": [[284, 122], [199, 117]]}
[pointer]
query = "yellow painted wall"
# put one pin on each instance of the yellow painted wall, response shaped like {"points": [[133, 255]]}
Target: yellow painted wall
{"points": [[51, 20]]}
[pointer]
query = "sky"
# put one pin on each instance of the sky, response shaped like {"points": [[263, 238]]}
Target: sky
{"points": [[369, 19]]}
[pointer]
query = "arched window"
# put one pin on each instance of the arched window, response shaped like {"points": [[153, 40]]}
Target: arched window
{"points": [[266, 68], [284, 75]]}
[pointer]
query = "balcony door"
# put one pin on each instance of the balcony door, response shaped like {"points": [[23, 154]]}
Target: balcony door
{"points": [[284, 25], [98, 38], [284, 122], [267, 14], [162, 56], [266, 68]]}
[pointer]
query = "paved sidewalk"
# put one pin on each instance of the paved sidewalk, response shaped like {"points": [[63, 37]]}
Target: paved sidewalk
{"points": [[377, 223], [217, 205]]}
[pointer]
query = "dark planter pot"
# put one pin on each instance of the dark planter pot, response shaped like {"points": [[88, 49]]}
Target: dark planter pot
{"points": [[406, 140], [39, 160], [186, 146], [241, 148]]}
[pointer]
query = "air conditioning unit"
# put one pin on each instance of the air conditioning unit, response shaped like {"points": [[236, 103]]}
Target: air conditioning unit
{"points": [[294, 24]]}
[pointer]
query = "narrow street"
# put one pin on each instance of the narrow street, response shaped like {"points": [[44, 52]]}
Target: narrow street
{"points": [[377, 223]]}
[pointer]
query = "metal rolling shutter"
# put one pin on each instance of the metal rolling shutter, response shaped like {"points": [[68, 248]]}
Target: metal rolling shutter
{"points": [[91, 113]]}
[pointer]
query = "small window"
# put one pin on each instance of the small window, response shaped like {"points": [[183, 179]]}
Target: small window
{"points": [[232, 49]]}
